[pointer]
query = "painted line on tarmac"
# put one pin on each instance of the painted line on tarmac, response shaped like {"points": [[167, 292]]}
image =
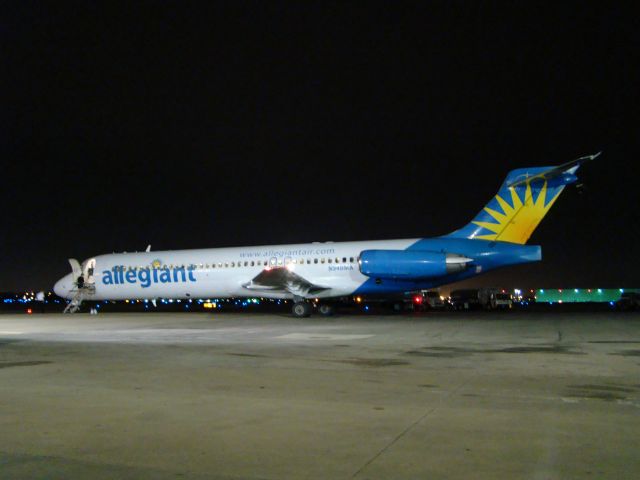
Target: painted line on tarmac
{"points": [[322, 336]]}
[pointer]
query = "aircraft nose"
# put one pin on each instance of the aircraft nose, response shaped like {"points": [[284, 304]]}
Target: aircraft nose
{"points": [[62, 286]]}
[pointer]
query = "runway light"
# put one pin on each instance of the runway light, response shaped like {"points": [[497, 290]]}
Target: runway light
{"points": [[575, 290], [358, 299], [29, 311], [599, 290], [417, 299]]}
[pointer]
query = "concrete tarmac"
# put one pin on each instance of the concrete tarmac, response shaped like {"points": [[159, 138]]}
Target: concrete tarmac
{"points": [[233, 396]]}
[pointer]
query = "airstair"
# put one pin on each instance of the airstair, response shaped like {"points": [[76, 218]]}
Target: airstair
{"points": [[80, 294]]}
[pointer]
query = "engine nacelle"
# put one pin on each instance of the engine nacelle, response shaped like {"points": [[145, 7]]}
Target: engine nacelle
{"points": [[410, 264]]}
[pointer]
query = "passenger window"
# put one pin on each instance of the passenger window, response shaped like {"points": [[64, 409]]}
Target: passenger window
{"points": [[252, 263], [226, 264], [219, 264], [337, 260], [351, 259], [329, 260], [315, 260], [344, 259], [322, 260]]}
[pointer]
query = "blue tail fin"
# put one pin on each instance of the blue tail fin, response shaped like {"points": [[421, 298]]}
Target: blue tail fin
{"points": [[524, 198]]}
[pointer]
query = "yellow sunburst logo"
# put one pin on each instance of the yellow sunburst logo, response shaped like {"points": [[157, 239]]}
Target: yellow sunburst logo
{"points": [[156, 264], [518, 222]]}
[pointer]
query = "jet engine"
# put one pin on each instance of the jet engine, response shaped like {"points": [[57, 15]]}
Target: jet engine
{"points": [[410, 264]]}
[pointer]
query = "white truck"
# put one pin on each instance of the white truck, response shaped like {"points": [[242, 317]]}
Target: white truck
{"points": [[493, 298]]}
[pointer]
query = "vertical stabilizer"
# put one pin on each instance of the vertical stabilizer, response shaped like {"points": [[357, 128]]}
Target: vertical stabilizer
{"points": [[524, 198]]}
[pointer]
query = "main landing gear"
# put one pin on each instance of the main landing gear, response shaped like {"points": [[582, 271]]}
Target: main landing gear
{"points": [[326, 309], [302, 309]]}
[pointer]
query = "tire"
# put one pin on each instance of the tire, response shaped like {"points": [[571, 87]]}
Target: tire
{"points": [[326, 309], [301, 309]]}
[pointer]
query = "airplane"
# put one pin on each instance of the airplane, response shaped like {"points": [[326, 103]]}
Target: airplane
{"points": [[496, 237]]}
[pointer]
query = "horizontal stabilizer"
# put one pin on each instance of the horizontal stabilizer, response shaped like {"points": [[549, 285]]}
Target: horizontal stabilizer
{"points": [[565, 168]]}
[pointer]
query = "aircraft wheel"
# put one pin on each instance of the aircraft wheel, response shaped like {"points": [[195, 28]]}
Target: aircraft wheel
{"points": [[301, 309], [326, 309]]}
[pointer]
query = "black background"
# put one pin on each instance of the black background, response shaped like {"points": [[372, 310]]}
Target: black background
{"points": [[187, 125]]}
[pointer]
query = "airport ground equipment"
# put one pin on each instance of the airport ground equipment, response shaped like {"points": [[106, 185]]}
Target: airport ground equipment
{"points": [[628, 301], [494, 298]]}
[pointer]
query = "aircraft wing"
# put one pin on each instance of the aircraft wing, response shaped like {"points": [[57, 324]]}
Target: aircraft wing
{"points": [[282, 280]]}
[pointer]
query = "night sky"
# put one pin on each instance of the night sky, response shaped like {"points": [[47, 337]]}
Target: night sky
{"points": [[184, 125]]}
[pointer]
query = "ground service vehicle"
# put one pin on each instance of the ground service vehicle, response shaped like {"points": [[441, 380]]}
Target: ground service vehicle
{"points": [[465, 299], [628, 301], [493, 298]]}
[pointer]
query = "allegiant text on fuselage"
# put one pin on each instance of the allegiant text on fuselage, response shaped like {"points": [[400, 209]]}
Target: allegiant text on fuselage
{"points": [[119, 275]]}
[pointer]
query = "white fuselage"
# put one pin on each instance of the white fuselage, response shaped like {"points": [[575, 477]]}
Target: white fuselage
{"points": [[227, 272]]}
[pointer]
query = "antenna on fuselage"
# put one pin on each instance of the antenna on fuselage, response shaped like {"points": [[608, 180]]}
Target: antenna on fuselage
{"points": [[148, 248]]}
